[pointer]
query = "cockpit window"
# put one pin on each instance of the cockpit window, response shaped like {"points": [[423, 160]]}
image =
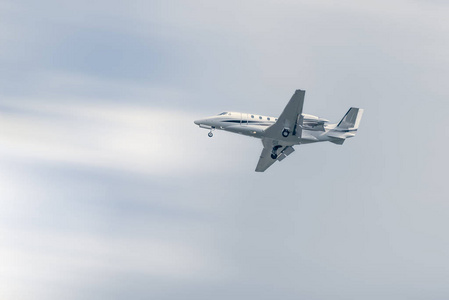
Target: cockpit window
{"points": [[223, 113]]}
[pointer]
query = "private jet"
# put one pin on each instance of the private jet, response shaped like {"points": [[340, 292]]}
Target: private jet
{"points": [[291, 128]]}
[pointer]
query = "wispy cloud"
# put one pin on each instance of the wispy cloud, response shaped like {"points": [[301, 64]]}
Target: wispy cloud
{"points": [[116, 136], [108, 189]]}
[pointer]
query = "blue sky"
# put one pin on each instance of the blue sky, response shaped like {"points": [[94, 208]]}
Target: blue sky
{"points": [[108, 189]]}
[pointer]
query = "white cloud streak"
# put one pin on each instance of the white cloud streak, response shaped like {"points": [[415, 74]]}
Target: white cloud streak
{"points": [[137, 139], [364, 220], [38, 264]]}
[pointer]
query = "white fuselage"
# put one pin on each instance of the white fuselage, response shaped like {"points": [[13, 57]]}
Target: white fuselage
{"points": [[292, 127], [314, 129]]}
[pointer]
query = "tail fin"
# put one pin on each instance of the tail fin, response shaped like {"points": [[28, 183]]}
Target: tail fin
{"points": [[352, 119], [347, 127]]}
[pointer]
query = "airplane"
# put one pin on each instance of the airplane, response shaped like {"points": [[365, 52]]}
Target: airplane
{"points": [[292, 127]]}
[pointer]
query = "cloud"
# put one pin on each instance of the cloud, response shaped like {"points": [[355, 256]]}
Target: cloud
{"points": [[108, 189], [72, 262], [65, 233], [116, 136]]}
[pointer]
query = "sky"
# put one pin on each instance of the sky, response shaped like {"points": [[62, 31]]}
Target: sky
{"points": [[109, 190]]}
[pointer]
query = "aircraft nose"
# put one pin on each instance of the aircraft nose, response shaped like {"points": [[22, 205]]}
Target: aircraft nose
{"points": [[200, 122]]}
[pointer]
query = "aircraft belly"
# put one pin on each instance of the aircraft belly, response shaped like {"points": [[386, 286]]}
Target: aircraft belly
{"points": [[254, 131], [313, 137]]}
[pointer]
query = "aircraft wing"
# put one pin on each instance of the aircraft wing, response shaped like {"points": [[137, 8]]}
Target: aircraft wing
{"points": [[265, 160], [289, 119]]}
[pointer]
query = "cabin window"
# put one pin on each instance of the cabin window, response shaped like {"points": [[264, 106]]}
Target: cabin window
{"points": [[252, 116], [260, 117], [275, 119], [268, 118]]}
